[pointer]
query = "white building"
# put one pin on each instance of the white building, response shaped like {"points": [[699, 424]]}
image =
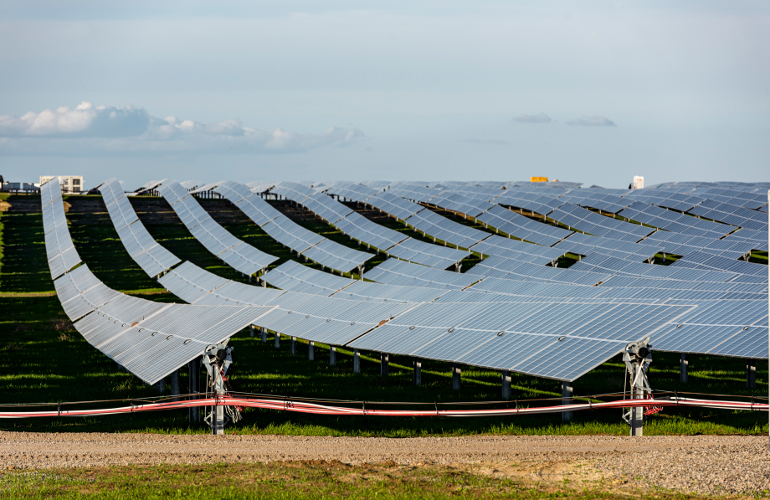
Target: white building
{"points": [[69, 183]]}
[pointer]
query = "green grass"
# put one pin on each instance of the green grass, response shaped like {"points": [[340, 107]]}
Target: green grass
{"points": [[289, 480], [42, 359]]}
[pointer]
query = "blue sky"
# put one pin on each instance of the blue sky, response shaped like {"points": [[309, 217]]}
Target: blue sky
{"points": [[594, 91]]}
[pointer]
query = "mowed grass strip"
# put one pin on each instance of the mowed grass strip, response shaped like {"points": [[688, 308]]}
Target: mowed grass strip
{"points": [[43, 359], [309, 479]]}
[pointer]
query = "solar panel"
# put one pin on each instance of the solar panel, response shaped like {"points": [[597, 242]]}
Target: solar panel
{"points": [[459, 203], [427, 254], [237, 254], [518, 337], [443, 229], [510, 223], [293, 191], [298, 278], [394, 205]]}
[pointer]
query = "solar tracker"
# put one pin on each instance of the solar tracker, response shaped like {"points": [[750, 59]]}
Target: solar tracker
{"points": [[396, 206], [293, 191], [325, 207], [505, 221], [443, 229], [590, 222], [217, 240], [260, 186], [59, 247], [731, 214], [140, 245], [370, 291], [149, 339], [406, 248], [413, 191], [427, 254], [298, 278], [370, 233], [456, 202], [351, 191], [517, 337], [535, 203], [396, 272], [326, 252], [674, 221]]}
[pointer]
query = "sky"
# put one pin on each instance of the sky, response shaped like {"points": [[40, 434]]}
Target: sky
{"points": [[594, 92]]}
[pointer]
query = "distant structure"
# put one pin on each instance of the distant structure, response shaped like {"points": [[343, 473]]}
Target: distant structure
{"points": [[638, 182], [69, 183]]}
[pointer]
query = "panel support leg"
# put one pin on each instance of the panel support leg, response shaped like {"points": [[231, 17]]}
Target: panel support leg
{"points": [[506, 378], [751, 373], [384, 358], [263, 333], [683, 368], [566, 399], [311, 351], [161, 385], [175, 384], [277, 340], [417, 371], [356, 361], [332, 355], [293, 345], [193, 387], [456, 372], [251, 331]]}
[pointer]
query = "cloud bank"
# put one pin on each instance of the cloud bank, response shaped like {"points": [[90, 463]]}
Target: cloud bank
{"points": [[539, 118], [89, 129], [592, 121]]}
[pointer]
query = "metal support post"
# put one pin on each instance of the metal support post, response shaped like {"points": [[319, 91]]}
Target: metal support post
{"points": [[384, 358], [161, 385], [506, 376], [175, 384], [751, 373], [217, 360], [263, 332], [456, 372], [416, 371], [311, 351], [193, 387], [277, 340], [332, 355], [566, 399], [356, 361], [251, 331], [293, 349], [683, 368], [637, 357]]}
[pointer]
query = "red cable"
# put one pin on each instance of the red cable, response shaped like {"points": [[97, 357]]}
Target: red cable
{"points": [[323, 409]]}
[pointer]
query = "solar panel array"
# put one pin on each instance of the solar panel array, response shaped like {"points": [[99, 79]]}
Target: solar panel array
{"points": [[515, 310], [384, 239], [217, 240], [315, 247], [149, 339], [59, 247], [140, 245]]}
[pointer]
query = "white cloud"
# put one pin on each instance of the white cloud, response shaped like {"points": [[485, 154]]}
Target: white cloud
{"points": [[592, 121], [90, 129], [539, 118]]}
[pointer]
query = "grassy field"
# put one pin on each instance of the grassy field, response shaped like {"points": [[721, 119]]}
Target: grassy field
{"points": [[42, 359], [290, 480]]}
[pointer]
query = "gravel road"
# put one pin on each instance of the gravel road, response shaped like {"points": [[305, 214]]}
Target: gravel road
{"points": [[701, 464]]}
